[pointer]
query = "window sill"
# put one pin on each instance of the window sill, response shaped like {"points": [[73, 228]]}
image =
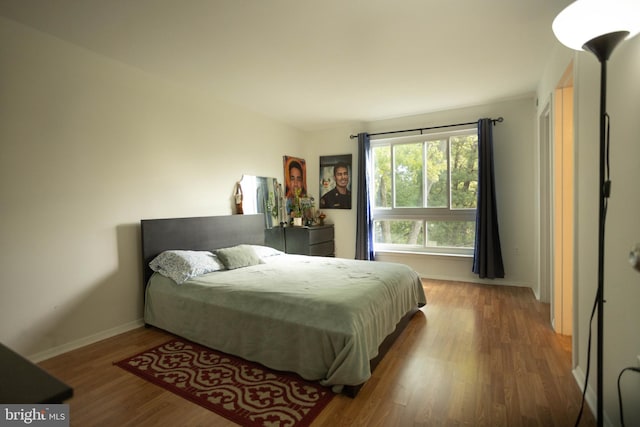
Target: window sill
{"points": [[423, 253]]}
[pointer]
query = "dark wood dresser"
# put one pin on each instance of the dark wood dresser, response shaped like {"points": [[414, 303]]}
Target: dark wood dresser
{"points": [[317, 241]]}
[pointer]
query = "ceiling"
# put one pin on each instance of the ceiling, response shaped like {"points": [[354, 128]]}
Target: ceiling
{"points": [[316, 64]]}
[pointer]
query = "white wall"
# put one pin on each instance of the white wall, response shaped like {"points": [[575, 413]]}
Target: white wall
{"points": [[89, 147], [514, 149], [622, 283]]}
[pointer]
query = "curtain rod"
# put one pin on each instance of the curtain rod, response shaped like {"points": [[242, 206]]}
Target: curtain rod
{"points": [[499, 120]]}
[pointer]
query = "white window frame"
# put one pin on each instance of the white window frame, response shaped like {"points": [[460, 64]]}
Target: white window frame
{"points": [[422, 214]]}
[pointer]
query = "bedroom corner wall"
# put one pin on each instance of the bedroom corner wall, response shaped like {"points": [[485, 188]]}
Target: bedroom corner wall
{"points": [[89, 147], [330, 142]]}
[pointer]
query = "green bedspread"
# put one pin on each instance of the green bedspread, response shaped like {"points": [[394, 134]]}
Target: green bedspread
{"points": [[322, 318]]}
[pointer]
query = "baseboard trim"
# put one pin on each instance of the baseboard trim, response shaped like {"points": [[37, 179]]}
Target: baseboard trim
{"points": [[476, 280], [590, 397], [74, 345]]}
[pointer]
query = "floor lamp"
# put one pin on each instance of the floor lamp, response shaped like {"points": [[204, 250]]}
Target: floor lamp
{"points": [[598, 26]]}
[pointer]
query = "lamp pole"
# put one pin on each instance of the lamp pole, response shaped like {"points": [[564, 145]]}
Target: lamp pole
{"points": [[602, 47]]}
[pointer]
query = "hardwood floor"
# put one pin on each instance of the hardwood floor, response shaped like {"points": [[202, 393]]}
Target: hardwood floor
{"points": [[476, 355]]}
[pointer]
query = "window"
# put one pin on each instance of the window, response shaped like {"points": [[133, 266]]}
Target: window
{"points": [[425, 191]]}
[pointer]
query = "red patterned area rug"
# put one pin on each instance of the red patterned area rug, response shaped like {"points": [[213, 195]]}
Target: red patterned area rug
{"points": [[242, 391]]}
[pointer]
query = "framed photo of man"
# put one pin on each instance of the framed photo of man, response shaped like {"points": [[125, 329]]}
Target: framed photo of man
{"points": [[295, 179], [335, 182]]}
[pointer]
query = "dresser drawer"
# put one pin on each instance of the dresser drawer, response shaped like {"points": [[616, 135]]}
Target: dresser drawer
{"points": [[317, 241], [322, 249], [320, 235]]}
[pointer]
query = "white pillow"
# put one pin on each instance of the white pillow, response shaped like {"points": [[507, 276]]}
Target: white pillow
{"points": [[266, 251], [181, 265]]}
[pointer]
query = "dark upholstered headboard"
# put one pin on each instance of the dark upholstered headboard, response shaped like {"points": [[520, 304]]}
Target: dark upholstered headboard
{"points": [[197, 233]]}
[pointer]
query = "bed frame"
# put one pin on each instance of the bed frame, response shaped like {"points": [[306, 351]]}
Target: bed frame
{"points": [[216, 232]]}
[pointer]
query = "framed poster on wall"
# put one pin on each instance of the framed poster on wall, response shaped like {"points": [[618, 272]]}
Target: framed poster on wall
{"points": [[295, 179], [335, 182]]}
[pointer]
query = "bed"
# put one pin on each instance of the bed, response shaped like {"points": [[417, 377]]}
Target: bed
{"points": [[326, 319]]}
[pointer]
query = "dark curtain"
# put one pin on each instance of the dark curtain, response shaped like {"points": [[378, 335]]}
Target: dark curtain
{"points": [[364, 223], [487, 255]]}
